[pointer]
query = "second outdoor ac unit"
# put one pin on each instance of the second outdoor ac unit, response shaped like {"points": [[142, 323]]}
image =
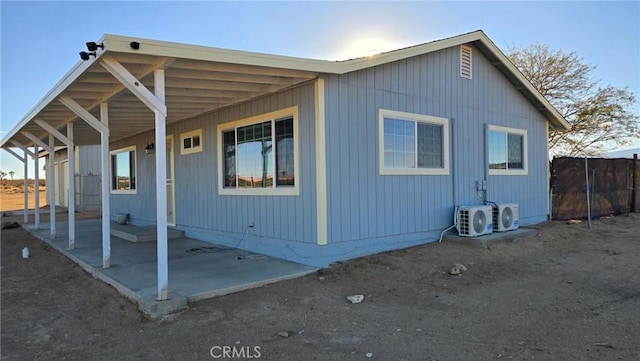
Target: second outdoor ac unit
{"points": [[505, 217], [474, 221]]}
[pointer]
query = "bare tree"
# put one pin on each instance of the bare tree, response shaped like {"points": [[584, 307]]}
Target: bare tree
{"points": [[11, 173], [3, 175], [600, 117]]}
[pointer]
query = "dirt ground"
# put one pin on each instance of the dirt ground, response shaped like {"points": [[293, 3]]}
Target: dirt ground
{"points": [[12, 195], [568, 293]]}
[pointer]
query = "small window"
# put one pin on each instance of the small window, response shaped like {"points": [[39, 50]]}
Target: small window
{"points": [[466, 61], [507, 151], [259, 155], [413, 144], [191, 142], [123, 170]]}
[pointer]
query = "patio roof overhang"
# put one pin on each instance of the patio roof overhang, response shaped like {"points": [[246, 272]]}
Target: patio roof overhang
{"points": [[200, 79], [197, 80]]}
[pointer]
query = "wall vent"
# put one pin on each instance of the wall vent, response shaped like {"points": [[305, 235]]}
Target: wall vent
{"points": [[465, 61]]}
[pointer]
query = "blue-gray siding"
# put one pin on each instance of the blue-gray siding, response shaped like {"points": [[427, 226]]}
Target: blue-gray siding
{"points": [[365, 205], [198, 205], [367, 212], [89, 160]]}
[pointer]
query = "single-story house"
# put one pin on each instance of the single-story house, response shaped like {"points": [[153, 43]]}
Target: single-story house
{"points": [[309, 160]]}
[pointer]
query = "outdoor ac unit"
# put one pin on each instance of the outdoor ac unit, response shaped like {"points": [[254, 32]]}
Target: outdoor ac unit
{"points": [[505, 217], [474, 221]]}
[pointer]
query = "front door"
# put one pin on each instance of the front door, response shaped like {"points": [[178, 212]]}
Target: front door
{"points": [[171, 205]]}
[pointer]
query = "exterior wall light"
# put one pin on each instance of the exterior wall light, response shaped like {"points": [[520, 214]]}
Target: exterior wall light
{"points": [[149, 148]]}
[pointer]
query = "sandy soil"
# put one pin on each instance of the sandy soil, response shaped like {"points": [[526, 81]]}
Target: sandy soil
{"points": [[568, 293], [12, 195]]}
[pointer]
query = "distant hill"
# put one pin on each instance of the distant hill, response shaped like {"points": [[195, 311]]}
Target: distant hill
{"points": [[625, 153]]}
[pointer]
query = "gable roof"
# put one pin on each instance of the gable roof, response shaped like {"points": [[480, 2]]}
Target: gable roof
{"points": [[201, 79]]}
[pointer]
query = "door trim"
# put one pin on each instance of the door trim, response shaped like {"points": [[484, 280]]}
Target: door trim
{"points": [[169, 139]]}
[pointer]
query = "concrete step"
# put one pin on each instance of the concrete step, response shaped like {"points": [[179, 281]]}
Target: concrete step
{"points": [[141, 233]]}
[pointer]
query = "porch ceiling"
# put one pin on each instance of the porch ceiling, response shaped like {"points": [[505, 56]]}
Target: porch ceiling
{"points": [[192, 87]]}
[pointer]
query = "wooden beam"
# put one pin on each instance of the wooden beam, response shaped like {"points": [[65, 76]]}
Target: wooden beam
{"points": [[37, 141], [217, 85], [94, 88], [241, 69], [83, 114], [134, 85], [8, 150], [227, 76], [63, 138], [212, 93], [104, 98], [23, 147]]}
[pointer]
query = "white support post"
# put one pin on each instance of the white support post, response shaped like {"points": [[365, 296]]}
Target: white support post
{"points": [[37, 143], [26, 186], [104, 156], [36, 189], [101, 126], [161, 189], [71, 190], [51, 186], [68, 141]]}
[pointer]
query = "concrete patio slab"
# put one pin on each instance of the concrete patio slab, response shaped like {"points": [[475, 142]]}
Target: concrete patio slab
{"points": [[197, 269]]}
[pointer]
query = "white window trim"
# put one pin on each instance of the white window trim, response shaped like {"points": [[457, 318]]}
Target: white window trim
{"points": [[282, 191], [135, 159], [190, 134], [444, 122], [525, 153]]}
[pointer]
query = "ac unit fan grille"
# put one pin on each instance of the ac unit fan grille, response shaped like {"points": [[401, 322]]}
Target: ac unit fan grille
{"points": [[507, 217], [470, 226], [479, 222]]}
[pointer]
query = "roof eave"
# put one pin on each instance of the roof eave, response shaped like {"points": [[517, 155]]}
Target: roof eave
{"points": [[66, 80], [121, 44]]}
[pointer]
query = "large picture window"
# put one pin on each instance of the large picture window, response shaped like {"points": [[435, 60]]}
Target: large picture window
{"points": [[507, 151], [123, 170], [259, 154], [413, 144]]}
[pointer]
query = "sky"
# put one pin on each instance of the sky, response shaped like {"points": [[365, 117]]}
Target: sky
{"points": [[40, 41]]}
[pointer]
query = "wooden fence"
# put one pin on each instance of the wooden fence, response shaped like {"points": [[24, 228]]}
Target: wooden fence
{"points": [[613, 185]]}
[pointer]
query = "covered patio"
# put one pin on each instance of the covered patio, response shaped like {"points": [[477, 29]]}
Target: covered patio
{"points": [[125, 86], [199, 270]]}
